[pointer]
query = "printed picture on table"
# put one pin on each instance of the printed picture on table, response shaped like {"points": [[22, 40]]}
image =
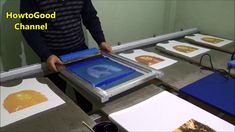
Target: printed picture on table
{"points": [[182, 48], [26, 99], [212, 40], [148, 60], [194, 126], [23, 99], [185, 48]]}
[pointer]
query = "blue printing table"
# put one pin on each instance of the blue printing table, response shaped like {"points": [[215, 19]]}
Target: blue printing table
{"points": [[102, 72], [215, 90]]}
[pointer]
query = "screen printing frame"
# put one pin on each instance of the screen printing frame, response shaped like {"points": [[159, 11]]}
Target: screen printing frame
{"points": [[104, 95]]}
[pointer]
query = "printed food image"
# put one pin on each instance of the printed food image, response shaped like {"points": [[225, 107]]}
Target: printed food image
{"points": [[184, 48], [23, 99], [102, 70], [148, 60], [194, 126], [212, 40]]}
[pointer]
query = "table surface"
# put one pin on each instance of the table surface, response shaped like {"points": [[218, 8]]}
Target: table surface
{"points": [[219, 59], [188, 73], [228, 47], [64, 118], [183, 73], [165, 112], [140, 94], [179, 74]]}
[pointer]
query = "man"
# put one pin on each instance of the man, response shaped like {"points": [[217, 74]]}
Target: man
{"points": [[64, 33]]}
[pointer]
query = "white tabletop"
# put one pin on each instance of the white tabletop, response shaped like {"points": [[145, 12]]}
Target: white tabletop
{"points": [[165, 112]]}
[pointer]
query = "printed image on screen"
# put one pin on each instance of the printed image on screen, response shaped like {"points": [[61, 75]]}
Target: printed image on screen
{"points": [[100, 71], [23, 99]]}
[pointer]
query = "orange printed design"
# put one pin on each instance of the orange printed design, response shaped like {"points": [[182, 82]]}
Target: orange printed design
{"points": [[184, 48], [148, 60], [212, 40], [23, 99]]}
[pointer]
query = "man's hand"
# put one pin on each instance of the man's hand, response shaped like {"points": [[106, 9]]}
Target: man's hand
{"points": [[52, 61], [105, 46]]}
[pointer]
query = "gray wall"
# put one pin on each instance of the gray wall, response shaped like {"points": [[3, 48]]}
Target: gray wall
{"points": [[129, 20], [215, 17], [14, 50]]}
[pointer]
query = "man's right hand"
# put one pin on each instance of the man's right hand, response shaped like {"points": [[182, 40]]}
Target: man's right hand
{"points": [[52, 61]]}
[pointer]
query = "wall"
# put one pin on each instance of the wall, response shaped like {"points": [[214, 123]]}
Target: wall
{"points": [[215, 17], [14, 50], [129, 20]]}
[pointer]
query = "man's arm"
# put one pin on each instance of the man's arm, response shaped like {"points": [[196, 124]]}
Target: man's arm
{"points": [[92, 22], [33, 38]]}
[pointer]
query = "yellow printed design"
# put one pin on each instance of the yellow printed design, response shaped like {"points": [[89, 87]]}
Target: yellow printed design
{"points": [[23, 99], [194, 126], [148, 60], [212, 40], [184, 48]]}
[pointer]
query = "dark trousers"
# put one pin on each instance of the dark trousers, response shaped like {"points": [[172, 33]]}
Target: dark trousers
{"points": [[82, 102], [61, 84]]}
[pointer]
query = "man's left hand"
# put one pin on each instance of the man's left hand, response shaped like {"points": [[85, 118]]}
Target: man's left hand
{"points": [[105, 46]]}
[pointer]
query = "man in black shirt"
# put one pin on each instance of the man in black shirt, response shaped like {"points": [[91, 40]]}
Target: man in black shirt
{"points": [[64, 33]]}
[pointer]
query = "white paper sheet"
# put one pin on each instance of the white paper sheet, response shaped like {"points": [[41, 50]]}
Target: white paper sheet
{"points": [[171, 46], [199, 38], [164, 61], [165, 112], [8, 117]]}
